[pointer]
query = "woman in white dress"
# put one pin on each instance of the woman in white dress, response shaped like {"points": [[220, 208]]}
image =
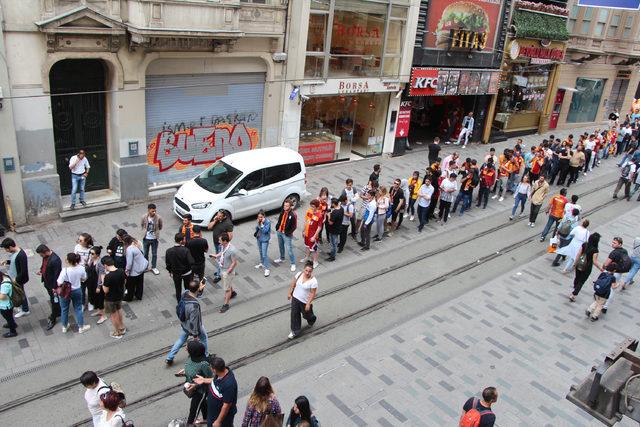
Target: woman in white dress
{"points": [[579, 235]]}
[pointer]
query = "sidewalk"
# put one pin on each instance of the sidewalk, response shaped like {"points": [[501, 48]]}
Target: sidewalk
{"points": [[518, 332], [35, 345]]}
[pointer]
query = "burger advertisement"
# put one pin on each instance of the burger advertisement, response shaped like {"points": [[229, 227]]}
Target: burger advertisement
{"points": [[470, 24]]}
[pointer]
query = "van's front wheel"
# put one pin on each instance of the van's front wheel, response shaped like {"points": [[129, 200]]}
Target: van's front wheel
{"points": [[294, 199]]}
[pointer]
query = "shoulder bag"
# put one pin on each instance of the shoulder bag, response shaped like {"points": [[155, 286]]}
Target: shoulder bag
{"points": [[64, 291]]}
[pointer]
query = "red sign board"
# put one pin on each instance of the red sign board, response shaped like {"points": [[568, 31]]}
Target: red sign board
{"points": [[472, 16], [424, 81], [542, 52], [404, 120], [318, 153]]}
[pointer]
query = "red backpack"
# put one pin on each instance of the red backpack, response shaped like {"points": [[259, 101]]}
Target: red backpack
{"points": [[472, 417]]}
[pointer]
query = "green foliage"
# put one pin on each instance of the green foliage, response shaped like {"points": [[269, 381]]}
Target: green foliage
{"points": [[539, 26]]}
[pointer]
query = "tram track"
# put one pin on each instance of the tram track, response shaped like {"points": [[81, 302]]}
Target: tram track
{"points": [[267, 351]]}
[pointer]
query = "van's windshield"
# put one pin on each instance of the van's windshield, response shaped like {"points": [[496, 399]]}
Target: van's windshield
{"points": [[218, 178]]}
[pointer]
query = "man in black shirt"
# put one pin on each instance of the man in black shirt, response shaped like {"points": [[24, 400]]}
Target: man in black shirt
{"points": [[334, 224], [49, 272], [482, 406], [179, 261], [221, 223], [398, 202], [615, 256], [115, 249], [375, 175], [113, 288], [198, 246], [222, 394], [434, 150], [18, 270]]}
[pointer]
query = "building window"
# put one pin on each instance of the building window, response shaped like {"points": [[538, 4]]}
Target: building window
{"points": [[254, 1], [586, 20], [613, 26], [355, 38], [603, 15], [573, 16], [627, 28], [586, 101]]}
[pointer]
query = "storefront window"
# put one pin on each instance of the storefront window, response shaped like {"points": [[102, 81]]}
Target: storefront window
{"points": [[334, 127], [525, 90], [585, 102], [363, 34]]}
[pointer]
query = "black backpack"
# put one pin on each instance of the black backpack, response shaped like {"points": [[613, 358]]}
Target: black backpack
{"points": [[625, 263], [602, 285]]}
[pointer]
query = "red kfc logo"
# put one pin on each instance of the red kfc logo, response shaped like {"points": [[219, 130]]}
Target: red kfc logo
{"points": [[424, 81]]}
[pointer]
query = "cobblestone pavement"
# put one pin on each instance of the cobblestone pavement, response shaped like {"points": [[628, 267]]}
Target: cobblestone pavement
{"points": [[35, 346], [518, 332]]}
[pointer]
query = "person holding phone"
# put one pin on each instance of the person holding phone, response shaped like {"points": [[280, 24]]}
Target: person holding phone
{"points": [[79, 166], [191, 324]]}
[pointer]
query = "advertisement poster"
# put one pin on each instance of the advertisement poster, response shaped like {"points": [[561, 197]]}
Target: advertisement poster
{"points": [[452, 82], [479, 16], [613, 4], [404, 120]]}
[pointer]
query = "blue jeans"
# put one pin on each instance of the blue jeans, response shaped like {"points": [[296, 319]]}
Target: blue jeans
{"points": [[263, 247], [77, 181], [283, 240], [153, 244], [76, 299], [634, 269], [520, 199], [624, 159], [423, 218], [466, 202], [333, 240], [183, 339], [550, 222], [512, 182]]}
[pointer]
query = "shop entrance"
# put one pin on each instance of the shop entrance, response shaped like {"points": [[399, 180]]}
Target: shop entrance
{"points": [[442, 116], [78, 110]]}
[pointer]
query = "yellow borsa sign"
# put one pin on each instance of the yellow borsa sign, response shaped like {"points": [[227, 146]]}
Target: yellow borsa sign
{"points": [[464, 39]]}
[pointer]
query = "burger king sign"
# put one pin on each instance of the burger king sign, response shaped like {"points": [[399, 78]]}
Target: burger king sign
{"points": [[462, 24]]}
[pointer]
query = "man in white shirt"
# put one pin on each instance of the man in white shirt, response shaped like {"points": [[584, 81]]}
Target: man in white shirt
{"points": [[79, 166], [467, 129], [448, 189], [589, 146], [424, 199]]}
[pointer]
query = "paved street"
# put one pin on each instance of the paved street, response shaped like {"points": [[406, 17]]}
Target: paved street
{"points": [[410, 363], [36, 345]]}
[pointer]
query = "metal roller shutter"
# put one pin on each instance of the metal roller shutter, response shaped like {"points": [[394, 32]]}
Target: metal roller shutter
{"points": [[192, 120]]}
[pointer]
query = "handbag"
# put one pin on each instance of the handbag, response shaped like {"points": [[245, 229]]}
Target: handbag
{"points": [[553, 245], [65, 289]]}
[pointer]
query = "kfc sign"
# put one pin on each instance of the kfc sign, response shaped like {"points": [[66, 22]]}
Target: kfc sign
{"points": [[424, 81]]}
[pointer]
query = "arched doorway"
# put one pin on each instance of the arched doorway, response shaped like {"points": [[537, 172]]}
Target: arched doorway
{"points": [[78, 110]]}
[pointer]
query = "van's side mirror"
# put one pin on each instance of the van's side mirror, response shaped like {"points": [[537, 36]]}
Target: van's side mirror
{"points": [[242, 192]]}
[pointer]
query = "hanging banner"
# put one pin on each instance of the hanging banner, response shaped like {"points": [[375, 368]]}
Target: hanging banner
{"points": [[404, 119]]}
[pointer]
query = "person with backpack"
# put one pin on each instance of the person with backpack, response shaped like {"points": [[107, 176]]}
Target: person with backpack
{"points": [[602, 290], [587, 258], [6, 304], [18, 271], [95, 388], [635, 259], [477, 412], [286, 225], [620, 258], [626, 175], [190, 317], [72, 276]]}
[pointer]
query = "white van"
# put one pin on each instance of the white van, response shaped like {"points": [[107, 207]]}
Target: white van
{"points": [[243, 183]]}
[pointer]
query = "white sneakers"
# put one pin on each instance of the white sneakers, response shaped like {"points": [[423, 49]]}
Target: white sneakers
{"points": [[90, 307], [155, 271], [259, 266], [291, 335], [501, 199], [83, 329], [495, 196], [266, 272], [522, 215], [65, 329], [21, 313], [277, 260], [293, 268], [411, 218], [532, 225], [315, 264]]}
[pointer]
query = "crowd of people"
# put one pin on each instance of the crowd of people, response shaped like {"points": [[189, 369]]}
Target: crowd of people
{"points": [[96, 280]]}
